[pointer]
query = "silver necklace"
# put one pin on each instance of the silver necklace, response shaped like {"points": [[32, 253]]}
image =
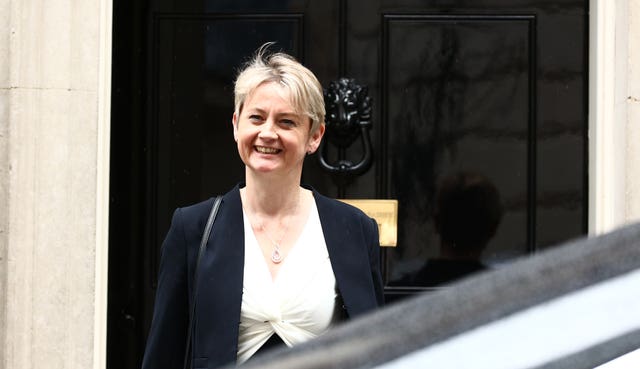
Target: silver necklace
{"points": [[276, 254]]}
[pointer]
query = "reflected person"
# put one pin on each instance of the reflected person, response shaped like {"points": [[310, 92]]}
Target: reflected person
{"points": [[466, 216]]}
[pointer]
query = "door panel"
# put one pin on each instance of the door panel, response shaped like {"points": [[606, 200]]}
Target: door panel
{"points": [[193, 152], [457, 98], [496, 88]]}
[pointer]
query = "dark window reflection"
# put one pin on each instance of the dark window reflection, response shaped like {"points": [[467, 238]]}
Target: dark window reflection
{"points": [[458, 100], [466, 216]]}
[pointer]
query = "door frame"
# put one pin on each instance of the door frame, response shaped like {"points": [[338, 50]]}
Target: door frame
{"points": [[607, 92], [103, 162], [608, 73]]}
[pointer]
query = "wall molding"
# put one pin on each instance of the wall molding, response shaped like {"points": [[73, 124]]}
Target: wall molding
{"points": [[608, 48], [102, 186]]}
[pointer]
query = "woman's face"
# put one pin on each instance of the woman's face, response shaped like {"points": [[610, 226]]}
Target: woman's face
{"points": [[271, 136]]}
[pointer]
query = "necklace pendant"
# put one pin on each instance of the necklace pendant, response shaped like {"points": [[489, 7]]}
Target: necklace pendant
{"points": [[276, 256]]}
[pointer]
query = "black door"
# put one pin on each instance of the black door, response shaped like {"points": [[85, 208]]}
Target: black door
{"points": [[491, 89]]}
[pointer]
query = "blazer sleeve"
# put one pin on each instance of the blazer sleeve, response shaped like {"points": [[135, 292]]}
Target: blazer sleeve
{"points": [[374, 260], [166, 342]]}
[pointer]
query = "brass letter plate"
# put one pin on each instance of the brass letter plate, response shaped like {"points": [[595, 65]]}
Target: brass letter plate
{"points": [[385, 212]]}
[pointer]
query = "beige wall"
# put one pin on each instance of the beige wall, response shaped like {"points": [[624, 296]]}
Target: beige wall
{"points": [[51, 96], [614, 135], [54, 139], [4, 172], [632, 191]]}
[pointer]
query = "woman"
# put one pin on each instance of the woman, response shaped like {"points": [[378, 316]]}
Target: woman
{"points": [[283, 263]]}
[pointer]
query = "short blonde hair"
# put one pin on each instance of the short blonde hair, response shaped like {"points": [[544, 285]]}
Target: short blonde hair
{"points": [[303, 86]]}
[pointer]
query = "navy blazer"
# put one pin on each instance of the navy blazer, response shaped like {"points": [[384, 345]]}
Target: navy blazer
{"points": [[352, 242]]}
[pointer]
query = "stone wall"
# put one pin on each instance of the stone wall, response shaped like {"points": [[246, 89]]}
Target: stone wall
{"points": [[614, 115], [50, 60], [4, 171], [633, 115]]}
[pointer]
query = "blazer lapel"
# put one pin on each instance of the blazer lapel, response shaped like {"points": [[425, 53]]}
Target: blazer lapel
{"points": [[348, 255], [221, 281]]}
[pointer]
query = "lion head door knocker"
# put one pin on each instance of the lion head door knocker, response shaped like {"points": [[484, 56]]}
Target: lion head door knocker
{"points": [[348, 116]]}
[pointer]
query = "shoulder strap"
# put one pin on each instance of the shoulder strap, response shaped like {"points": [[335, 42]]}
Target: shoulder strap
{"points": [[203, 246]]}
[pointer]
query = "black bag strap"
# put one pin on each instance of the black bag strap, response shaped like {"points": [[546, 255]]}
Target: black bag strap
{"points": [[192, 307]]}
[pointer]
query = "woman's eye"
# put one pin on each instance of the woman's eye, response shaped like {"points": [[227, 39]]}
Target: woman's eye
{"points": [[288, 122], [255, 118]]}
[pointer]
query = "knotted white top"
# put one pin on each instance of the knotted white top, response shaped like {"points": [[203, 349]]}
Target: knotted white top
{"points": [[299, 303]]}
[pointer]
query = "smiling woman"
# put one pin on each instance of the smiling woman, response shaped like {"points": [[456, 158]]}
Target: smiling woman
{"points": [[271, 135], [284, 261]]}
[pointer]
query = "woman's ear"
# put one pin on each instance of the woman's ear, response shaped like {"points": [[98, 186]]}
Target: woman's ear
{"points": [[234, 121], [314, 139]]}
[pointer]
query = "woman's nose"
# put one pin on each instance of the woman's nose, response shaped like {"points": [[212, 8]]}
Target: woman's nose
{"points": [[269, 129]]}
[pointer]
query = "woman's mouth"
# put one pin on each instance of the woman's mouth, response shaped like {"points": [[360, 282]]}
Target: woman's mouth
{"points": [[267, 150]]}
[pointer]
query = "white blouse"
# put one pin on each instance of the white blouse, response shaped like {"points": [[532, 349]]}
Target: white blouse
{"points": [[299, 304]]}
